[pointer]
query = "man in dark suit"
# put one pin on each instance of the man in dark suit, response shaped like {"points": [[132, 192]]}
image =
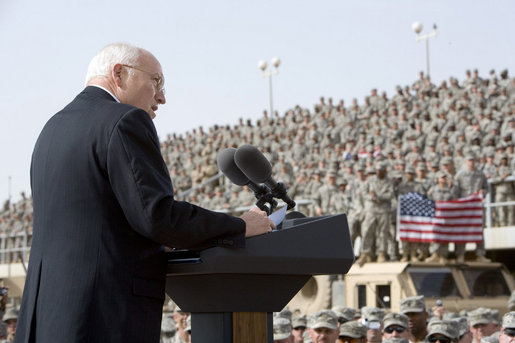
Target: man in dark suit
{"points": [[104, 209]]}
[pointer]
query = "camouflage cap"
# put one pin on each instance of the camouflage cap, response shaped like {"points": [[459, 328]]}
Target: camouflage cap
{"points": [[480, 315], [323, 319], [440, 174], [413, 304], [463, 325], [299, 321], [446, 160], [332, 173], [508, 320], [448, 328], [396, 319], [343, 312], [449, 315], [167, 323], [285, 313], [372, 314], [282, 328], [10, 314], [360, 167], [353, 329], [421, 166], [370, 170], [470, 156], [381, 165], [409, 170], [396, 174], [342, 181], [435, 163]]}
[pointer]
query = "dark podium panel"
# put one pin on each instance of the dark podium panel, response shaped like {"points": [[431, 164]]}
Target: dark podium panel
{"points": [[262, 278]]}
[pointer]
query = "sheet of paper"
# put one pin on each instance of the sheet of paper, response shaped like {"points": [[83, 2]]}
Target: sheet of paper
{"points": [[278, 216]]}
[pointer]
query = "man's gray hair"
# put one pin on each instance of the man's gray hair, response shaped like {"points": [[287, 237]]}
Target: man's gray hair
{"points": [[105, 59]]}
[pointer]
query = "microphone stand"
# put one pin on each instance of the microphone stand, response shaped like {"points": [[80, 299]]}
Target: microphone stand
{"points": [[263, 197], [279, 192]]}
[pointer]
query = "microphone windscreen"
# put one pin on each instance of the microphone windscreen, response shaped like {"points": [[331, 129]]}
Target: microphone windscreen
{"points": [[253, 163], [225, 161]]}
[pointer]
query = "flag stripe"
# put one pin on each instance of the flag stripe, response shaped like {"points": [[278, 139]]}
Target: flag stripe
{"points": [[424, 220]]}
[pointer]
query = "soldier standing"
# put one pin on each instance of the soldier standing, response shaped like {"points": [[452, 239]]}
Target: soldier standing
{"points": [[443, 190], [469, 181], [356, 212], [378, 196], [325, 193], [409, 249], [504, 191], [339, 202], [312, 189]]}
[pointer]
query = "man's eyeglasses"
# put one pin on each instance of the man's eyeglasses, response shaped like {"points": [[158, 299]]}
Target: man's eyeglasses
{"points": [[398, 329], [158, 80], [439, 339]]}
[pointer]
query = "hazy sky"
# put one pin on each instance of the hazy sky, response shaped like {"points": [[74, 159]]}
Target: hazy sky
{"points": [[209, 52]]}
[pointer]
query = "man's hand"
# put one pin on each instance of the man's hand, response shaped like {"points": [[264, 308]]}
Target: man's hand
{"points": [[439, 311], [257, 222]]}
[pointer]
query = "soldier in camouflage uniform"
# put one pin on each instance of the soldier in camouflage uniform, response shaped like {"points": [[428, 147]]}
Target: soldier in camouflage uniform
{"points": [[356, 212], [325, 193], [469, 181], [339, 202], [441, 191], [508, 328], [409, 249], [312, 189], [504, 191], [378, 195], [425, 184]]}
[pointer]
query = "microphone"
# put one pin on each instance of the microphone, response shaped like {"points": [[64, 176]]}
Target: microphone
{"points": [[257, 168], [228, 167]]}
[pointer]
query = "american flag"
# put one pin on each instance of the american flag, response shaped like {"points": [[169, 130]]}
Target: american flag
{"points": [[423, 220]]}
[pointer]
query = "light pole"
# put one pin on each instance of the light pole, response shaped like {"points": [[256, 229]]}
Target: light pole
{"points": [[417, 27], [275, 62]]}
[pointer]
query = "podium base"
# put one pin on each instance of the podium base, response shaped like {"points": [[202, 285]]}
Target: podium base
{"points": [[235, 327]]}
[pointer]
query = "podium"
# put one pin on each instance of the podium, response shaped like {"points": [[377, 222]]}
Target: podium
{"points": [[231, 293]]}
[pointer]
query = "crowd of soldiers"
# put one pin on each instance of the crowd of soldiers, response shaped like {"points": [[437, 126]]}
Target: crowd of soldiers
{"points": [[412, 324], [442, 141], [16, 229]]}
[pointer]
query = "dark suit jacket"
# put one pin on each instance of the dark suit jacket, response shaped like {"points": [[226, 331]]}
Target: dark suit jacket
{"points": [[103, 209]]}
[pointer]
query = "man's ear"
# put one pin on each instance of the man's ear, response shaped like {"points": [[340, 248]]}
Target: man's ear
{"points": [[116, 74]]}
